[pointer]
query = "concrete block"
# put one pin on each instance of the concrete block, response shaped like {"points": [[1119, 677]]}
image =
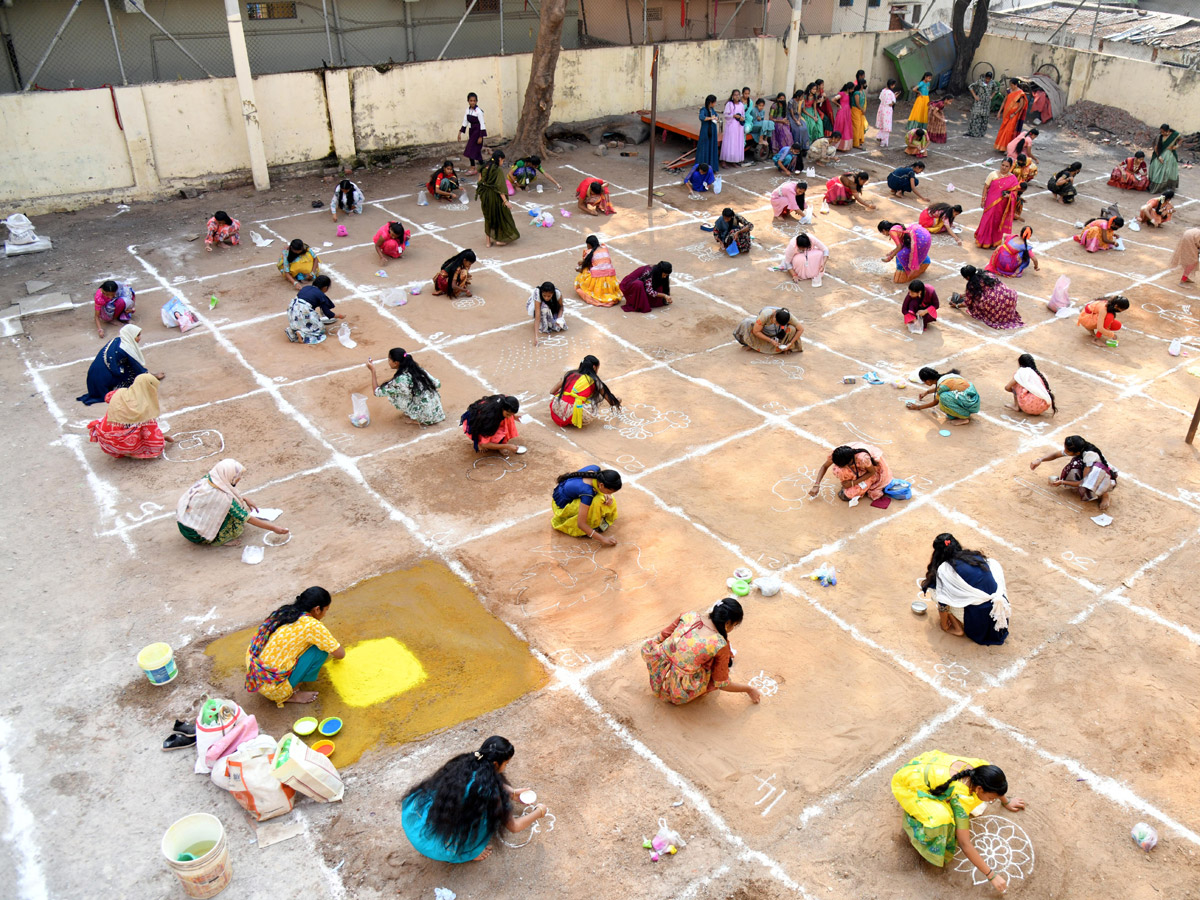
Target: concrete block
{"points": [[45, 303], [36, 287]]}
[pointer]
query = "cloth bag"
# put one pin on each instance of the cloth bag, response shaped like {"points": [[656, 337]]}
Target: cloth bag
{"points": [[246, 774], [1058, 297]]}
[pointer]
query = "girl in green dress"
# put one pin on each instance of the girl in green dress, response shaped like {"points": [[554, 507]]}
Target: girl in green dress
{"points": [[411, 389], [492, 193]]}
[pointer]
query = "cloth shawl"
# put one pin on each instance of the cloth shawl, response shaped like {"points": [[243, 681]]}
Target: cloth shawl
{"points": [[954, 592], [205, 504], [136, 404]]}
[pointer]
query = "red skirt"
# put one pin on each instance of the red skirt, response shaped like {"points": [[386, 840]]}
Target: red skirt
{"points": [[836, 193], [143, 441]]}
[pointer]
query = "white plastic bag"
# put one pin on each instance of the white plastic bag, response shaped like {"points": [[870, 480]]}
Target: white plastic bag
{"points": [[246, 773], [422, 198], [768, 585], [311, 773], [1175, 347], [807, 218], [20, 229], [1058, 297], [343, 336], [361, 416], [716, 188]]}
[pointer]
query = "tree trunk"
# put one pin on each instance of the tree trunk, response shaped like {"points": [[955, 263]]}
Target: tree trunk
{"points": [[539, 95], [966, 43]]}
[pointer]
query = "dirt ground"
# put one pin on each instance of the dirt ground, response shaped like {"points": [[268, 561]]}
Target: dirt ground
{"points": [[1090, 707]]}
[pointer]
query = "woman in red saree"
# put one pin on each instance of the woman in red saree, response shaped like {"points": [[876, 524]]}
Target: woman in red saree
{"points": [[999, 204], [1013, 112], [593, 198], [1131, 174], [130, 426]]}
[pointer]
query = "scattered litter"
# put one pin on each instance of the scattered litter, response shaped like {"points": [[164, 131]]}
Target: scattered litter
{"points": [[1144, 836], [826, 574], [677, 803], [1175, 347], [317, 204], [382, 273], [213, 301], [260, 241], [565, 213], [525, 419], [950, 187], [422, 200], [443, 894], [945, 432], [278, 831], [1066, 312], [665, 843], [123, 208], [360, 417], [342, 232], [1134, 226], [854, 502], [268, 514], [395, 296], [327, 244], [343, 336], [768, 586], [252, 554], [338, 866], [871, 378], [175, 314], [22, 238], [1103, 520]]}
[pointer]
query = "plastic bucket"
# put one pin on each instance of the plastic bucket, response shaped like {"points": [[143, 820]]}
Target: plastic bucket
{"points": [[211, 873], [158, 662]]}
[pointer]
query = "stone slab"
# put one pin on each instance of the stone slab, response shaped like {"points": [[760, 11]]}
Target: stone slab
{"points": [[45, 303]]}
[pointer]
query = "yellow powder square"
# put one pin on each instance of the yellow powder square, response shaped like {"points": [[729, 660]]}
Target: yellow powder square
{"points": [[374, 671]]}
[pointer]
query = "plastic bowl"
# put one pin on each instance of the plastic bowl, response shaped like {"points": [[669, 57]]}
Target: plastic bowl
{"points": [[305, 726], [740, 588], [324, 747], [743, 574], [529, 798], [329, 727], [919, 607]]}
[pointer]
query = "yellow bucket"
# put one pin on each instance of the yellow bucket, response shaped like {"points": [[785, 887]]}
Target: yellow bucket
{"points": [[158, 662], [195, 849]]}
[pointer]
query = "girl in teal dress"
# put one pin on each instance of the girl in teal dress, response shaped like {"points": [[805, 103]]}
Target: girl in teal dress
{"points": [[454, 813]]}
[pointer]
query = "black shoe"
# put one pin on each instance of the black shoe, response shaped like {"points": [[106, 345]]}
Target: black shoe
{"points": [[182, 727], [179, 741]]}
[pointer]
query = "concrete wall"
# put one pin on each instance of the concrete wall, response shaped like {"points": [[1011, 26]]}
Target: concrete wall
{"points": [[1153, 93], [67, 150]]}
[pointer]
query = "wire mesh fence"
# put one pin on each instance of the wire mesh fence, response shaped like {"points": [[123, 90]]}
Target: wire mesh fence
{"points": [[66, 44]]}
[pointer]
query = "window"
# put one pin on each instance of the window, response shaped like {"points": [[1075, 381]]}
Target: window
{"points": [[653, 13], [485, 7], [270, 10], [873, 2], [845, 2]]}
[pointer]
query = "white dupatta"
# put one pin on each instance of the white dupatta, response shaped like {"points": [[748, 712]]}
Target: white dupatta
{"points": [[953, 591]]}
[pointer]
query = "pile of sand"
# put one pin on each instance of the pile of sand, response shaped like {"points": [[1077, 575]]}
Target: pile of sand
{"points": [[1106, 124]]}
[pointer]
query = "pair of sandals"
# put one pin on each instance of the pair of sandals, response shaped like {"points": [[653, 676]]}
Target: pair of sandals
{"points": [[183, 735]]}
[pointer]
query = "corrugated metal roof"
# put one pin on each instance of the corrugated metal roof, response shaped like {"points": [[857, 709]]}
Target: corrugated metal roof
{"points": [[1121, 25]]}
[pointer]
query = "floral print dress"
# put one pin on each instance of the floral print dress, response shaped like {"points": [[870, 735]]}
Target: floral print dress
{"points": [[424, 408], [686, 660]]}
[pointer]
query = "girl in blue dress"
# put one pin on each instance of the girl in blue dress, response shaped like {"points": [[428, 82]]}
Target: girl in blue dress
{"points": [[454, 813], [708, 148]]}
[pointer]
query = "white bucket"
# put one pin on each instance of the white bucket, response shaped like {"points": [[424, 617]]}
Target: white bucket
{"points": [[158, 662], [198, 835]]}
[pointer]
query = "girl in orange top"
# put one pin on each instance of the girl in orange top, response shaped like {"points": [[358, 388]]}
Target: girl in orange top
{"points": [[1013, 111]]}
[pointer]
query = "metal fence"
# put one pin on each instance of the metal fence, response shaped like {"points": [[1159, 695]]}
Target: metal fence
{"points": [[65, 44]]}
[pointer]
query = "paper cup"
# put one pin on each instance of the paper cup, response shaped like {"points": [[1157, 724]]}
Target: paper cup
{"points": [[528, 797]]}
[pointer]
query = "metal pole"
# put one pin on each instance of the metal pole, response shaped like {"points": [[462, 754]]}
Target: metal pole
{"points": [[116, 46], [245, 83], [182, 49], [501, 5], [337, 30], [328, 36], [644, 17], [653, 125], [766, 11], [866, 13], [1095, 22], [46, 55], [1050, 40], [456, 27], [736, 10], [408, 35]]}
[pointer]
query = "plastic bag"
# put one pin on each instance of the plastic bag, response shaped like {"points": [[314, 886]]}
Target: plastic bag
{"points": [[463, 199], [768, 585], [422, 199], [20, 229], [1058, 297], [716, 188], [175, 314], [826, 574], [343, 336], [395, 297], [245, 730], [246, 773], [1175, 347], [307, 771], [217, 718], [732, 248], [361, 416], [665, 842], [1144, 836], [899, 489]]}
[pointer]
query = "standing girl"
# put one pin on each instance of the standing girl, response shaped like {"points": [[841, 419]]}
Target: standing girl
{"points": [[843, 122], [918, 117], [733, 139], [708, 149], [492, 193], [782, 135], [412, 390], [883, 116], [476, 131], [858, 111]]}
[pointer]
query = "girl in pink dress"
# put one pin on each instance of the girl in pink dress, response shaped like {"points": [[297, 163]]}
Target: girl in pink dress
{"points": [[844, 122], [805, 256], [789, 198], [883, 116], [999, 205], [733, 139]]}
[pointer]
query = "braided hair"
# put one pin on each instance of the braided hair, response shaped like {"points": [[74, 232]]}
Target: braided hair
{"points": [[609, 478], [593, 244], [1116, 304], [946, 548], [1076, 446], [928, 373], [588, 366], [308, 600], [466, 792], [1026, 361], [988, 777], [422, 382], [725, 613]]}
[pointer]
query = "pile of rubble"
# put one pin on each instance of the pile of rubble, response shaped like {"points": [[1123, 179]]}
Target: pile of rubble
{"points": [[1107, 124]]}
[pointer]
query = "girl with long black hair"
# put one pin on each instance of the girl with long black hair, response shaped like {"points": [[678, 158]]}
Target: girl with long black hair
{"points": [[454, 276], [290, 648], [453, 814], [1030, 389], [580, 389], [582, 503], [545, 307], [1088, 472], [492, 423], [411, 389], [968, 582], [347, 198], [596, 282], [691, 656], [492, 193], [938, 792]]}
